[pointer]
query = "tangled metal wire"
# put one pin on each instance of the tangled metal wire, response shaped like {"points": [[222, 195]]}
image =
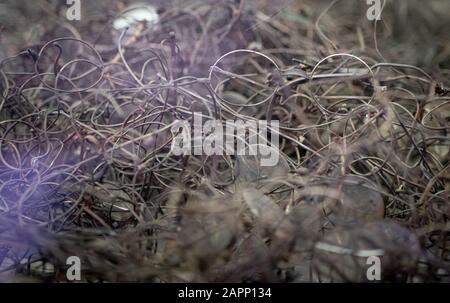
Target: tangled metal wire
{"points": [[86, 167]]}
